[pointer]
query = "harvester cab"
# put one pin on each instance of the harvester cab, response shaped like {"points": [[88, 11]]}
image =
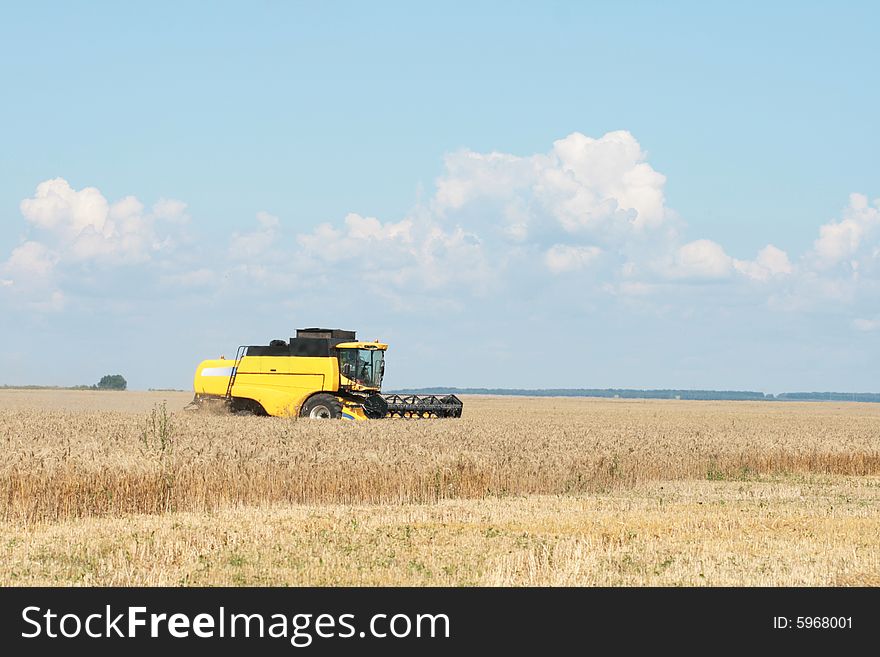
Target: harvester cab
{"points": [[319, 373], [361, 365]]}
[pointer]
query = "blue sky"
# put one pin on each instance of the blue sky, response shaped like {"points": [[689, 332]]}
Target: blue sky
{"points": [[512, 194]]}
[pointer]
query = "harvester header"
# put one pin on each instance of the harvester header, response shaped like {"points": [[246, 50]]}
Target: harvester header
{"points": [[318, 373]]}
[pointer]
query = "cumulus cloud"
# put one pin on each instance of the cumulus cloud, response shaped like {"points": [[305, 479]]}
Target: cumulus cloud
{"points": [[595, 178], [32, 278], [495, 215], [56, 206], [81, 225], [29, 261], [845, 241], [363, 239], [771, 262], [701, 259], [705, 260], [491, 214], [603, 187], [588, 216], [411, 254], [71, 232]]}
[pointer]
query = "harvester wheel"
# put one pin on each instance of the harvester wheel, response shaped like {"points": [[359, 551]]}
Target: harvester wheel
{"points": [[321, 406]]}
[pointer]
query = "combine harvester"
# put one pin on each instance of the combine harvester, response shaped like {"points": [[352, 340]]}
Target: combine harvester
{"points": [[321, 373]]}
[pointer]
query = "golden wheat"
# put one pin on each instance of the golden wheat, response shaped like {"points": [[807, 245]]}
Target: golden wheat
{"points": [[807, 530], [127, 488], [65, 463]]}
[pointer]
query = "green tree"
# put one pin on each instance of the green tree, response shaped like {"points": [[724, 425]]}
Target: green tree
{"points": [[112, 382]]}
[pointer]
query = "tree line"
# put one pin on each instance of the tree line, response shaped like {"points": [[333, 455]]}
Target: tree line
{"points": [[107, 382], [632, 393]]}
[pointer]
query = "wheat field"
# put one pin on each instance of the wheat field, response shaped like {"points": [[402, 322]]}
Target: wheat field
{"points": [[130, 488]]}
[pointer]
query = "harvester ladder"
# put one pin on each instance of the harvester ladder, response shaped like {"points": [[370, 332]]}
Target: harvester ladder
{"points": [[238, 356]]}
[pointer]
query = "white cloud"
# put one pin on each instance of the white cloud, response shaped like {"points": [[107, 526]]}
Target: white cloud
{"points": [[365, 240], [77, 239], [471, 175], [83, 226], [706, 260], [771, 261], [30, 260], [57, 207], [562, 258], [126, 208], [610, 175], [588, 216], [588, 204], [602, 187], [774, 261], [840, 241], [370, 228], [33, 280], [701, 260], [492, 213], [396, 258]]}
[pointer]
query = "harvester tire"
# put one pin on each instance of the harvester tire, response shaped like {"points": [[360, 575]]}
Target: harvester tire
{"points": [[321, 406]]}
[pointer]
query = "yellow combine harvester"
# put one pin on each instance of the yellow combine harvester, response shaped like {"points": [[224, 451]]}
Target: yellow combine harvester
{"points": [[320, 373]]}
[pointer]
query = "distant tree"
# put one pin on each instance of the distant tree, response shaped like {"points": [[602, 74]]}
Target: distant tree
{"points": [[112, 382]]}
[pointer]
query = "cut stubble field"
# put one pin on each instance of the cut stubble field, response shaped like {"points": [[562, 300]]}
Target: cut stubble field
{"points": [[128, 488]]}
